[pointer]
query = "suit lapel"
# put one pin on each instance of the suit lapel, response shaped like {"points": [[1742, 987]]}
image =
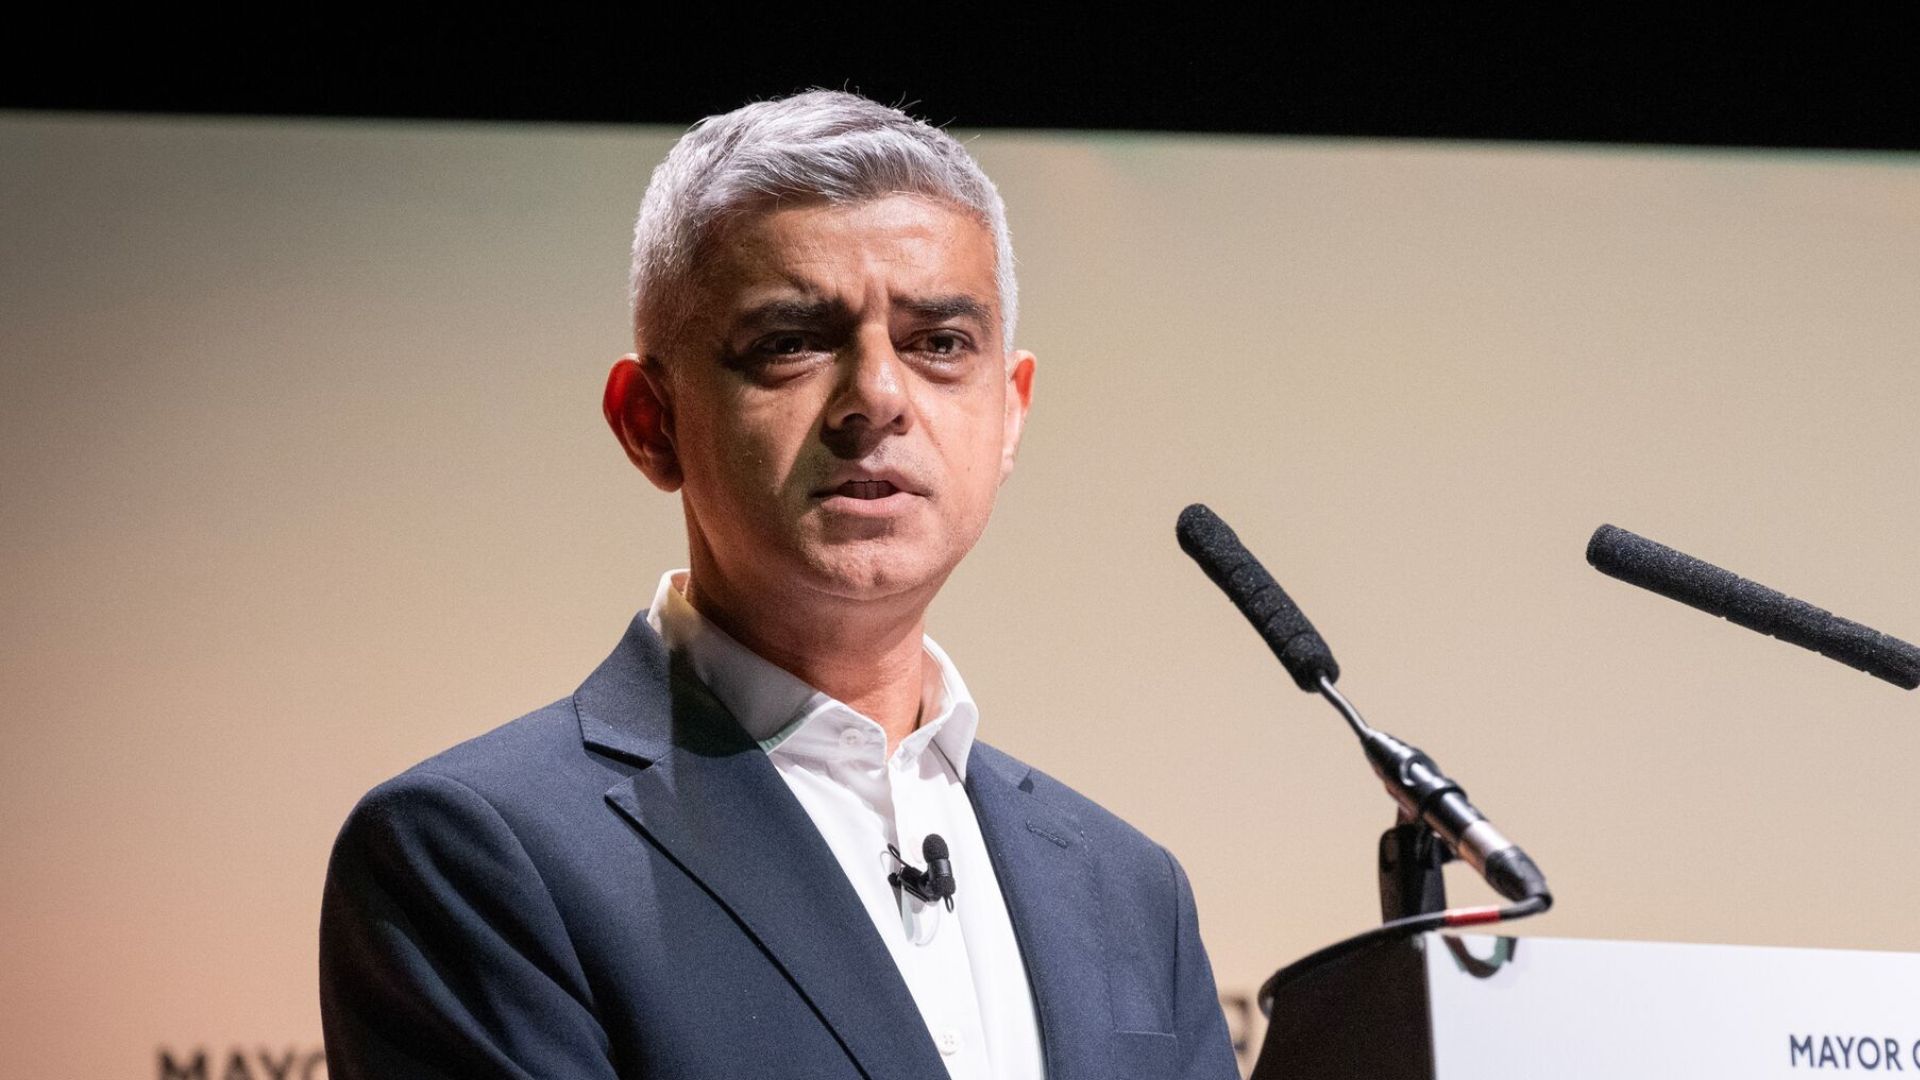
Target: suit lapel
{"points": [[710, 799], [1046, 875]]}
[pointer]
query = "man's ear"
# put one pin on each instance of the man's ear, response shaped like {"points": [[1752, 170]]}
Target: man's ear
{"points": [[1019, 399], [641, 417]]}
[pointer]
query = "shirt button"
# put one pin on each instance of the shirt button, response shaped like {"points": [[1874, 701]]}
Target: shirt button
{"points": [[852, 738], [949, 1042]]}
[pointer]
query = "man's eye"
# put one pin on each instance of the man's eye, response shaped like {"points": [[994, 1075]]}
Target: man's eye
{"points": [[943, 344], [784, 345]]}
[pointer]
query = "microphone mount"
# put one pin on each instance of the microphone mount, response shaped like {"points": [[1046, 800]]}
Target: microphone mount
{"points": [[1410, 854], [931, 885], [1413, 851]]}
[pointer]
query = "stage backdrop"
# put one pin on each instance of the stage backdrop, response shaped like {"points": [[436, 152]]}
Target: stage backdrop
{"points": [[305, 479]]}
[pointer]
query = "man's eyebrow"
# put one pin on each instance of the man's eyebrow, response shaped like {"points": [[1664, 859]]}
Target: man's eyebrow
{"points": [[941, 308], [791, 312]]}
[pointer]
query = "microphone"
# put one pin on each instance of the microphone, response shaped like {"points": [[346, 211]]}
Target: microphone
{"points": [[933, 883], [939, 868], [1637, 560], [1424, 793], [1261, 599]]}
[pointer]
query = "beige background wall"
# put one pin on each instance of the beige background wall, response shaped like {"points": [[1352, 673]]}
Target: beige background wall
{"points": [[304, 480]]}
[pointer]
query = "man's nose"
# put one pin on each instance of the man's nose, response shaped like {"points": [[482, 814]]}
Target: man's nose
{"points": [[871, 397]]}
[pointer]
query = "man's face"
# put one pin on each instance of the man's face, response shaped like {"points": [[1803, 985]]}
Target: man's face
{"points": [[842, 410]]}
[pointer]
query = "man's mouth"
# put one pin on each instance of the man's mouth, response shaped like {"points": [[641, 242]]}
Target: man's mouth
{"points": [[865, 489]]}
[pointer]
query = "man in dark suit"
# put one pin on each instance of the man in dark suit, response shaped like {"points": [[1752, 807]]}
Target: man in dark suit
{"points": [[727, 854]]}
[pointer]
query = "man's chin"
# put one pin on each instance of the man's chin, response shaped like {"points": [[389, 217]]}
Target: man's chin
{"points": [[877, 571]]}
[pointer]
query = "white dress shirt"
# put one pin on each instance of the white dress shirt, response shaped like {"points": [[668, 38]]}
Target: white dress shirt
{"points": [[962, 967]]}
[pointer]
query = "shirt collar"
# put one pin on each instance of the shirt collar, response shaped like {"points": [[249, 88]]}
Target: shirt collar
{"points": [[788, 717]]}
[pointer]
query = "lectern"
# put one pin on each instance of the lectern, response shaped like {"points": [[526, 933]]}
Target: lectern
{"points": [[1451, 1007]]}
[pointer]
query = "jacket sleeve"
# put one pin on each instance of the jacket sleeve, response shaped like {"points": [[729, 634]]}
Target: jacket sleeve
{"points": [[1206, 1047], [442, 954]]}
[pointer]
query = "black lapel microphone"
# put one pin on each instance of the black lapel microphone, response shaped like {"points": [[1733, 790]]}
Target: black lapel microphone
{"points": [[933, 883]]}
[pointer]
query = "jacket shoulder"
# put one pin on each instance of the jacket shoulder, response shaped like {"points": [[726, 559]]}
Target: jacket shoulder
{"points": [[531, 765]]}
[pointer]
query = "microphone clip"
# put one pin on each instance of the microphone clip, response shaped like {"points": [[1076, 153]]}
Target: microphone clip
{"points": [[927, 886]]}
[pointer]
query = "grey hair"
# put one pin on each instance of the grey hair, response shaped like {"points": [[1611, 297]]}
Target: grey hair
{"points": [[822, 144]]}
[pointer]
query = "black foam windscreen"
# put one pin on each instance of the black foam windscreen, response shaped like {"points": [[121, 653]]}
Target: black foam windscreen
{"points": [[939, 875], [1653, 566], [1261, 599]]}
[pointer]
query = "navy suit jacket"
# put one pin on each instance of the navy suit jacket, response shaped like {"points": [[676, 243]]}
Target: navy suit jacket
{"points": [[621, 885]]}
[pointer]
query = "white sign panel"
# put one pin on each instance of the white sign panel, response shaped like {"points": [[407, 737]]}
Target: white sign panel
{"points": [[1600, 1009]]}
